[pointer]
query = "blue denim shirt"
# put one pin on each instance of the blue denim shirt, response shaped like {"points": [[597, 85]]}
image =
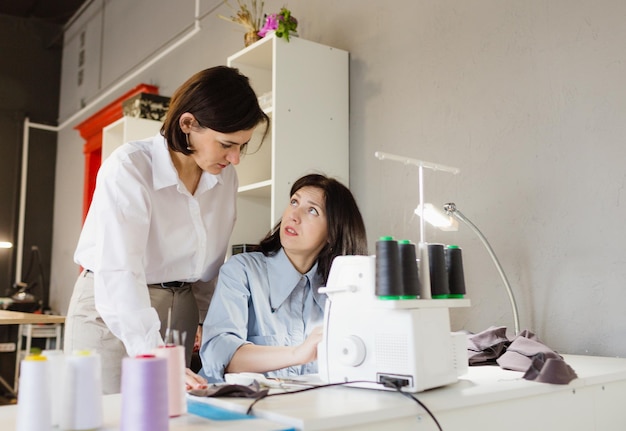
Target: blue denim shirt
{"points": [[261, 300]]}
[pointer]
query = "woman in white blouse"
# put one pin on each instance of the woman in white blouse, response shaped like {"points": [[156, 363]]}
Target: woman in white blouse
{"points": [[160, 221]]}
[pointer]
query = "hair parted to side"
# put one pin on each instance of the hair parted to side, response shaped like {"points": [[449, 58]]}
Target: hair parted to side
{"points": [[220, 98], [346, 229]]}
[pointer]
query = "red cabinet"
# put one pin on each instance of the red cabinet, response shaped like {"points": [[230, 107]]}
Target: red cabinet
{"points": [[91, 131]]}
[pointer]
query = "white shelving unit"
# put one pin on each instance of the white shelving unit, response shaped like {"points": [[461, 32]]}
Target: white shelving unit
{"points": [[304, 88], [127, 129]]}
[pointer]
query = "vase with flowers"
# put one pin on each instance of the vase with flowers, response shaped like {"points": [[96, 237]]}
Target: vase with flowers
{"points": [[249, 16], [283, 24]]}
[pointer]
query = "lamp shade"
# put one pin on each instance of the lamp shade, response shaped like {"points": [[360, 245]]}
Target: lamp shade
{"points": [[437, 218]]}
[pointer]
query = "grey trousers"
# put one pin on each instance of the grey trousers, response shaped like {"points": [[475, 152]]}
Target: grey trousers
{"points": [[85, 329]]}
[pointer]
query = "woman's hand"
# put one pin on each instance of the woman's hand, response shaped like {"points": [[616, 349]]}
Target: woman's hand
{"points": [[194, 381], [307, 351]]}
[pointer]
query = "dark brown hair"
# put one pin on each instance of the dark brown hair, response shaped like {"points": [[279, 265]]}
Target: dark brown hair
{"points": [[346, 230], [220, 98]]}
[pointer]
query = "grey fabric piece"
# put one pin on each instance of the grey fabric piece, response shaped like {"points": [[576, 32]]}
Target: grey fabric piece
{"points": [[527, 334], [233, 391], [550, 370], [485, 347], [519, 354], [523, 353]]}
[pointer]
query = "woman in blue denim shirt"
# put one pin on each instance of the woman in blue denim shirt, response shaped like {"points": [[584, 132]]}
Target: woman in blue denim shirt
{"points": [[266, 314]]}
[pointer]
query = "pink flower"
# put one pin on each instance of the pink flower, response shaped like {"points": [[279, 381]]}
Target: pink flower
{"points": [[271, 23], [282, 23]]}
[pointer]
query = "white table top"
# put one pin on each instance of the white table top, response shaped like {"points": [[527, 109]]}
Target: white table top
{"points": [[484, 387], [186, 422], [342, 406]]}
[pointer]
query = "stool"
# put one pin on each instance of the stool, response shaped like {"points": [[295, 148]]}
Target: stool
{"points": [[49, 331]]}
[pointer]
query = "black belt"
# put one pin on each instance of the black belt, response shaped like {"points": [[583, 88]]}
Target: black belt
{"points": [[177, 284], [168, 284]]}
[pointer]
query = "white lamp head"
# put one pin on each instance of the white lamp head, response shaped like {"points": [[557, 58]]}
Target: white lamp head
{"points": [[5, 244], [437, 218]]}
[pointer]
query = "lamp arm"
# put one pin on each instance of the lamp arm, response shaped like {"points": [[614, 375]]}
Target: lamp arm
{"points": [[452, 210]]}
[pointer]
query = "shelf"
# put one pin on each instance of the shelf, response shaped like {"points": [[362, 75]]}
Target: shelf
{"points": [[303, 86], [259, 54], [261, 189], [127, 129], [256, 166]]}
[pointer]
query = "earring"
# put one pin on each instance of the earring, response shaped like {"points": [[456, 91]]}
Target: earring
{"points": [[188, 144]]}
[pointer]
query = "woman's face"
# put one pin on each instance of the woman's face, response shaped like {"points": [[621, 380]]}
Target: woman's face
{"points": [[213, 151], [304, 228]]}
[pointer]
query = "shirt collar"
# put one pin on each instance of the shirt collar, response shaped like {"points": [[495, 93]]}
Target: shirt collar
{"points": [[283, 278], [164, 173]]}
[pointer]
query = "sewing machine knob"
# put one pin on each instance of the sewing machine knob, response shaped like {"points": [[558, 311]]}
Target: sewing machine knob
{"points": [[352, 351]]}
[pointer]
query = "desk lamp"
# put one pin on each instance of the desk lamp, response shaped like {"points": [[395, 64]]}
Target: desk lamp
{"points": [[447, 222]]}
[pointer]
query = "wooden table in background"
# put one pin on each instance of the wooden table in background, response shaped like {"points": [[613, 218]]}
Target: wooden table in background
{"points": [[20, 318], [27, 323]]}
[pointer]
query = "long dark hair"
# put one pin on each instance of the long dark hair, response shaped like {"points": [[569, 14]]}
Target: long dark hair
{"points": [[346, 230], [220, 98]]}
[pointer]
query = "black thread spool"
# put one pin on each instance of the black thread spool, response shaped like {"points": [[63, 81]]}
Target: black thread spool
{"points": [[454, 267], [388, 274], [408, 263], [439, 288]]}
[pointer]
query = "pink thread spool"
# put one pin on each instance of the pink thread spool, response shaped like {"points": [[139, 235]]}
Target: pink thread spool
{"points": [[175, 356]]}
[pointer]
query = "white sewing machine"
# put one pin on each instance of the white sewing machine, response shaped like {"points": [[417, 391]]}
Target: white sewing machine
{"points": [[368, 340]]}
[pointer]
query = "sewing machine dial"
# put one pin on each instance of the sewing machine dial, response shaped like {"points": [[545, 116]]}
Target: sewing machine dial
{"points": [[352, 351]]}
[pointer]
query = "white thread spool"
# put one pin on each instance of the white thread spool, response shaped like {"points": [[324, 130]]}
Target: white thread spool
{"points": [[81, 404], [175, 356], [34, 404], [56, 381]]}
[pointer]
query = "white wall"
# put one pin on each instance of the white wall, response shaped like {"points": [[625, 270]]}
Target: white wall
{"points": [[526, 98]]}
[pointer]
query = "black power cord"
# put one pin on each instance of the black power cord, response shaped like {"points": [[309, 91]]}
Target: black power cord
{"points": [[408, 395], [390, 383]]}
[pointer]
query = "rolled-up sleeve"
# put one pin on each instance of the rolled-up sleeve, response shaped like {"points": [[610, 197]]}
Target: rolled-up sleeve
{"points": [[225, 327]]}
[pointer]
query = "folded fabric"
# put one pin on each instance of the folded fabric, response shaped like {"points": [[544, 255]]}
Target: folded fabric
{"points": [[549, 370], [252, 390], [485, 347], [520, 353], [525, 352], [527, 334]]}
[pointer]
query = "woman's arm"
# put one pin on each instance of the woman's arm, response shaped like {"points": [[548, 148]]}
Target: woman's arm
{"points": [[260, 359], [116, 233], [225, 327]]}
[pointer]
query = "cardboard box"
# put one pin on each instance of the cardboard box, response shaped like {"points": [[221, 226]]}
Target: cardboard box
{"points": [[146, 105]]}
